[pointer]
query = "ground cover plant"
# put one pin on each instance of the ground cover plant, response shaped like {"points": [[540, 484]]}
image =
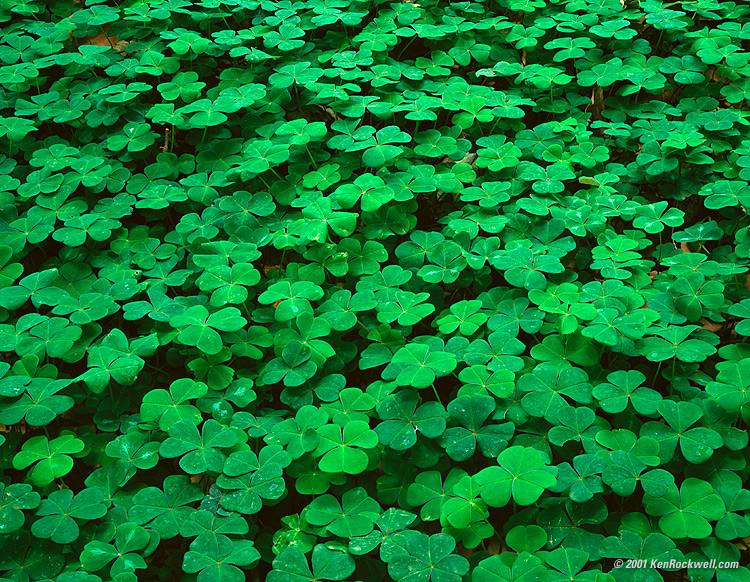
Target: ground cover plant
{"points": [[362, 290]]}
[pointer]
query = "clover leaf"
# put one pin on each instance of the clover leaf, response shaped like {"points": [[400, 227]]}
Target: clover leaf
{"points": [[624, 388], [60, 511], [379, 148], [510, 566], [418, 366], [168, 407], [123, 554], [686, 512], [428, 558], [696, 444], [471, 412], [165, 509], [403, 421], [215, 556], [631, 545], [50, 459], [198, 451], [344, 449], [353, 517], [523, 474], [197, 327], [327, 564], [15, 498]]}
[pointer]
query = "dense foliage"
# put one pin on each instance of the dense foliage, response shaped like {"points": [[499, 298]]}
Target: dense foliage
{"points": [[359, 289]]}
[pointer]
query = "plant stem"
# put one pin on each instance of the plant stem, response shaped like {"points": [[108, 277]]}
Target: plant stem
{"points": [[656, 375], [671, 381], [659, 247], [105, 36], [494, 125], [309, 153], [436, 394], [405, 47], [362, 325], [224, 19], [281, 263]]}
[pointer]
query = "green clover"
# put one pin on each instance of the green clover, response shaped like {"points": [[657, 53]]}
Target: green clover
{"points": [[418, 365], [50, 459], [428, 558], [523, 474], [198, 451], [61, 510], [686, 512], [199, 328], [327, 564], [344, 449]]}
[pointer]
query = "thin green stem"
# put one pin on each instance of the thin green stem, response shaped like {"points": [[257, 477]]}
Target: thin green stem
{"points": [[436, 394], [154, 367], [406, 46], [105, 36], [660, 249], [222, 17], [362, 325], [281, 263], [309, 153], [671, 380], [653, 383], [494, 125]]}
